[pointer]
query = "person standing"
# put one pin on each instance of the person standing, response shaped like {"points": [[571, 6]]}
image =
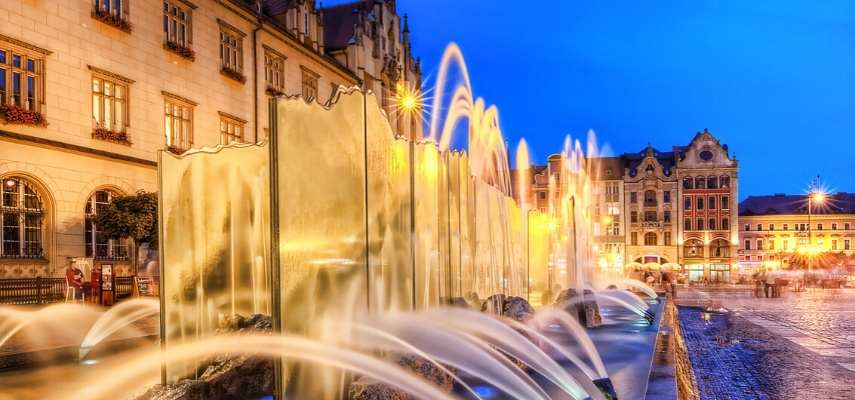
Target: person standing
{"points": [[770, 284]]}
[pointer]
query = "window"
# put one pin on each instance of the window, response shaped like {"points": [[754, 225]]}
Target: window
{"points": [[97, 245], [771, 244], [310, 84], [667, 238], [177, 23], [541, 195], [700, 224], [724, 182], [688, 183], [819, 227], [21, 220], [231, 129], [633, 238], [786, 227], [759, 244], [700, 183], [650, 239], [711, 203], [785, 244], [666, 216], [21, 74], [834, 244], [771, 227], [666, 196], [712, 182], [694, 249], [633, 197], [649, 198], [759, 227], [231, 49], [274, 71], [700, 205], [725, 202], [720, 248], [834, 226], [109, 102], [687, 203], [178, 122], [633, 217], [650, 216], [747, 244], [687, 224], [711, 224], [113, 12], [846, 245], [747, 227], [846, 226], [725, 224]]}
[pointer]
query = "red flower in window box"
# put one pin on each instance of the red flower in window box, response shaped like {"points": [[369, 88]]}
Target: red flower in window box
{"points": [[233, 74], [175, 149], [111, 136], [181, 50], [272, 91], [17, 115], [110, 19]]}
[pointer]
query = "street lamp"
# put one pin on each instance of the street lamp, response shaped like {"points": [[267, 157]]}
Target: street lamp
{"points": [[818, 197]]}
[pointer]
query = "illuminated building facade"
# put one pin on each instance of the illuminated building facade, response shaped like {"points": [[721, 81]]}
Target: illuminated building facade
{"points": [[91, 90], [671, 209], [778, 232]]}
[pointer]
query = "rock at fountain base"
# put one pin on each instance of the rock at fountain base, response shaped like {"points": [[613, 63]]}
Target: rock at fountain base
{"points": [[226, 377], [369, 389], [586, 311]]}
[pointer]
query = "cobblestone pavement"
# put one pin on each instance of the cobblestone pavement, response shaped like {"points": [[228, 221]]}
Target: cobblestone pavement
{"points": [[799, 346]]}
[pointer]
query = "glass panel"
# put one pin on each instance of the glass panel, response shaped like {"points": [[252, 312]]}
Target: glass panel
{"points": [[2, 85], [2, 56], [389, 255], [120, 116], [16, 60], [11, 234], [229, 274], [10, 192], [31, 93], [31, 199], [16, 88], [31, 65]]}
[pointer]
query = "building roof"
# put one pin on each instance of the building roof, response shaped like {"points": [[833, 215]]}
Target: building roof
{"points": [[339, 24], [783, 204]]}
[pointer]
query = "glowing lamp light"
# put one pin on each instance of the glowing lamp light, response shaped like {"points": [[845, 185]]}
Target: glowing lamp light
{"points": [[10, 183], [818, 197]]}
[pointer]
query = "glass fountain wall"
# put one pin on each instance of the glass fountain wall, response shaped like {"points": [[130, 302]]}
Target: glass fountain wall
{"points": [[366, 221], [215, 214]]}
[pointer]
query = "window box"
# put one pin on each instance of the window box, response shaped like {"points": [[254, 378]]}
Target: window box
{"points": [[111, 136], [175, 150], [21, 116], [237, 76], [113, 20], [181, 50], [272, 91]]}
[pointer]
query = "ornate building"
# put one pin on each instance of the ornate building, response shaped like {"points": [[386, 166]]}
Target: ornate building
{"points": [[657, 209], [778, 232], [91, 90]]}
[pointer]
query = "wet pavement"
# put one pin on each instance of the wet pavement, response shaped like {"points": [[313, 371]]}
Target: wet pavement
{"points": [[799, 346]]}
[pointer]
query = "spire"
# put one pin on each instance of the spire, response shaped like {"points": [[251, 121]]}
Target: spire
{"points": [[406, 24]]}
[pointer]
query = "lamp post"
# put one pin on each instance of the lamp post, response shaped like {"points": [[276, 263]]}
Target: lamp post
{"points": [[817, 197]]}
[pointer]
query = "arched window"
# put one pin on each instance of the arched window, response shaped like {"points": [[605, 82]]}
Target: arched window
{"points": [[724, 181], [97, 245], [720, 248], [688, 183], [650, 198], [694, 249], [700, 182], [650, 239], [22, 220], [712, 182]]}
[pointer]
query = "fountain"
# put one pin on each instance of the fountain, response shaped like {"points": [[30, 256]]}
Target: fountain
{"points": [[355, 243]]}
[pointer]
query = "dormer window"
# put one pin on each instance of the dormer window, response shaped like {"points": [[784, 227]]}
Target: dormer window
{"points": [[705, 155]]}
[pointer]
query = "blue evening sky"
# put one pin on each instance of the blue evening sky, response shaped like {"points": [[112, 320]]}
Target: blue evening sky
{"points": [[773, 79]]}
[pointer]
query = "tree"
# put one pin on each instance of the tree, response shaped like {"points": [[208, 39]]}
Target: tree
{"points": [[133, 216]]}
